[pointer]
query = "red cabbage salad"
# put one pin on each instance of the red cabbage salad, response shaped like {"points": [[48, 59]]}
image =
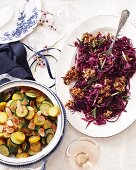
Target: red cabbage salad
{"points": [[101, 82]]}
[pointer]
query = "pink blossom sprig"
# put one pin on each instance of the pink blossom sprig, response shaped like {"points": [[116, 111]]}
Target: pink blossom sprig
{"points": [[47, 20]]}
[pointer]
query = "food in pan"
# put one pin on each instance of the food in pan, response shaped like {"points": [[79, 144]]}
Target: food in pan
{"points": [[28, 121]]}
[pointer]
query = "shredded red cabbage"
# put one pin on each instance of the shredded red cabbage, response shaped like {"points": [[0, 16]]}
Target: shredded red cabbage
{"points": [[102, 82]]}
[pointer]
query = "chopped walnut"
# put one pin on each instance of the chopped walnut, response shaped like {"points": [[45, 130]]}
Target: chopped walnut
{"points": [[120, 84], [88, 73], [87, 38], [100, 100], [94, 43], [76, 92], [70, 103], [107, 94], [107, 81], [109, 36], [105, 89], [108, 113], [70, 75]]}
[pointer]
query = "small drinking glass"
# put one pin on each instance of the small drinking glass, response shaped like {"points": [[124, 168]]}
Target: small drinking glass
{"points": [[82, 154]]}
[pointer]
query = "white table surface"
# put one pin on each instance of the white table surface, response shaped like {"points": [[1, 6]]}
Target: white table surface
{"points": [[117, 152]]}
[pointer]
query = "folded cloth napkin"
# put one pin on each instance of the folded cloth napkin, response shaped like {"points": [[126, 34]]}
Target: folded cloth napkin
{"points": [[13, 61]]}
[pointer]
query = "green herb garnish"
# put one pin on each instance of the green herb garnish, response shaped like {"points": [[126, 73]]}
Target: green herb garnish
{"points": [[126, 97], [37, 128], [94, 112], [90, 82]]}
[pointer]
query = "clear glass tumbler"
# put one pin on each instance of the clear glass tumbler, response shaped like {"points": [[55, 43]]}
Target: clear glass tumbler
{"points": [[82, 153]]}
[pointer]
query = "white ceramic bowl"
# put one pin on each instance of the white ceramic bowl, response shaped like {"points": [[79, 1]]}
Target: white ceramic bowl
{"points": [[60, 125]]}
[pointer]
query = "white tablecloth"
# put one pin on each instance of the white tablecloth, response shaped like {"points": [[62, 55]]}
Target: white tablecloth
{"points": [[117, 152]]}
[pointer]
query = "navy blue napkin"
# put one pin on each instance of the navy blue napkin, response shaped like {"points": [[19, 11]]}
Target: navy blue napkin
{"points": [[13, 61]]}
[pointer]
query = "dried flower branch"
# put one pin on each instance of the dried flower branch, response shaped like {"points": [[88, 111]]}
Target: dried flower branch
{"points": [[46, 19]]}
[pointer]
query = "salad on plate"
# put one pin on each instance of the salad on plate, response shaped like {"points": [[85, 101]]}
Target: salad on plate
{"points": [[100, 84]]}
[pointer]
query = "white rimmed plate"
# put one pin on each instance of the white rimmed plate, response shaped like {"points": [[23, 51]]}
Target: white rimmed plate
{"points": [[104, 24], [18, 19]]}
